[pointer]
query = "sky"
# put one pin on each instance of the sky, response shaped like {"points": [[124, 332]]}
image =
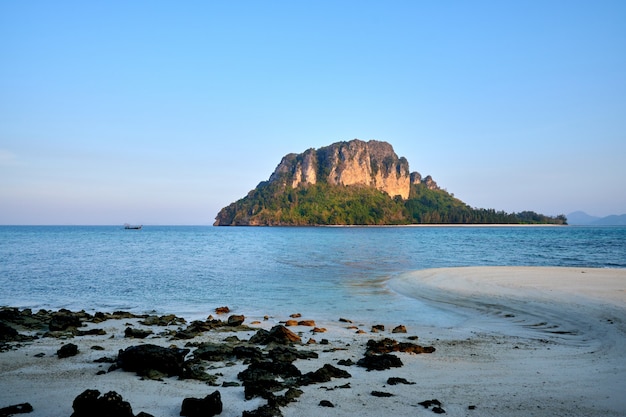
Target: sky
{"points": [[160, 112]]}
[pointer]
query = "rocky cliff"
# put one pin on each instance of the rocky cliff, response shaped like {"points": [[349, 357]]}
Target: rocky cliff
{"points": [[370, 164]]}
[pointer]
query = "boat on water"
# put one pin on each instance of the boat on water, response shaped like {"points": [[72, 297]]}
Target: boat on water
{"points": [[132, 226]]}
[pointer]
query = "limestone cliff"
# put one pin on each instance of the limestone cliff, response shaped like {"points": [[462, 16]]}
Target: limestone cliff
{"points": [[370, 164]]}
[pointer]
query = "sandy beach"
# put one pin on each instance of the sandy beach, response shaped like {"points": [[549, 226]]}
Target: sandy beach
{"points": [[532, 342]]}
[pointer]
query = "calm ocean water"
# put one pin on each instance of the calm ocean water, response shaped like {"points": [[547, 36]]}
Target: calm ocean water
{"points": [[322, 272]]}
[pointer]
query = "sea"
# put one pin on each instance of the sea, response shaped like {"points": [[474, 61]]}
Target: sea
{"points": [[320, 272]]}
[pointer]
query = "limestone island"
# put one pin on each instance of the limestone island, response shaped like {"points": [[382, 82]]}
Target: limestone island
{"points": [[358, 183]]}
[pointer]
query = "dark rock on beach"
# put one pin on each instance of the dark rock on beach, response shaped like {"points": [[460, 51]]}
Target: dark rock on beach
{"points": [[65, 319], [399, 329], [236, 320], [67, 350], [143, 358], [213, 351], [278, 334], [396, 381], [91, 404], [8, 333], [325, 374], [248, 352], [290, 354], [166, 320], [137, 333], [380, 362], [389, 345], [381, 394], [266, 410], [16, 409], [211, 405], [436, 404]]}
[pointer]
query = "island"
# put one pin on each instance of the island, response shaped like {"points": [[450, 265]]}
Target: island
{"points": [[358, 183]]}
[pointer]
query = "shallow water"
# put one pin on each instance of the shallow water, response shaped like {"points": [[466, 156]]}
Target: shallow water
{"points": [[324, 272]]}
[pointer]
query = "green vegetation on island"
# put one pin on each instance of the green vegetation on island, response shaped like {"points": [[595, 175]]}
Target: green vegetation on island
{"points": [[322, 204]]}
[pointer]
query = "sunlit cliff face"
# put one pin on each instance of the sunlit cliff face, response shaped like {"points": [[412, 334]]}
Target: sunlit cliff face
{"points": [[373, 164]]}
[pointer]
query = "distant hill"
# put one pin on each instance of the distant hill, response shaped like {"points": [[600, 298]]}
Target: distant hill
{"points": [[357, 183], [580, 218]]}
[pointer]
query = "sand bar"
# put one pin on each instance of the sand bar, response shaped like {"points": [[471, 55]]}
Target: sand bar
{"points": [[592, 284]]}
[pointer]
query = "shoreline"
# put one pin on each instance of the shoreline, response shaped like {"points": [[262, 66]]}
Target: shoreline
{"points": [[522, 349]]}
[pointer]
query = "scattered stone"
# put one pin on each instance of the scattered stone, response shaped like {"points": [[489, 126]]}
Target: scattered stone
{"points": [[137, 333], [142, 358], [248, 352], [378, 328], [344, 320], [319, 330], [345, 362], [326, 403], [430, 403], [227, 384], [295, 315], [290, 354], [324, 342], [260, 337], [63, 320], [90, 404], [16, 409], [213, 351], [399, 329], [278, 334], [8, 333], [222, 310], [293, 393], [105, 359], [308, 323], [194, 370], [236, 320], [389, 345], [380, 362], [266, 410], [438, 410], [324, 374], [261, 378], [91, 332], [291, 323], [396, 381], [311, 341], [67, 350], [360, 331], [166, 320], [471, 407], [381, 394], [211, 405]]}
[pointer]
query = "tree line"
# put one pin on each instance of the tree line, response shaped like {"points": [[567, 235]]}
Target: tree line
{"points": [[322, 204]]}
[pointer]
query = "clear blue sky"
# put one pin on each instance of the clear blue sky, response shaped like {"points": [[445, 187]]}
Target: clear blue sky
{"points": [[161, 112]]}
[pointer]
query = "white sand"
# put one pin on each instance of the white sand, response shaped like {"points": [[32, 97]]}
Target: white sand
{"points": [[534, 342]]}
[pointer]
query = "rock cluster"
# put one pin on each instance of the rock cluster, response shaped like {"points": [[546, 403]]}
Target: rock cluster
{"points": [[270, 357]]}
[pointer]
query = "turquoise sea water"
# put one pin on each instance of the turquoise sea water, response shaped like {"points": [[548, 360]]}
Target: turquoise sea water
{"points": [[324, 272]]}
